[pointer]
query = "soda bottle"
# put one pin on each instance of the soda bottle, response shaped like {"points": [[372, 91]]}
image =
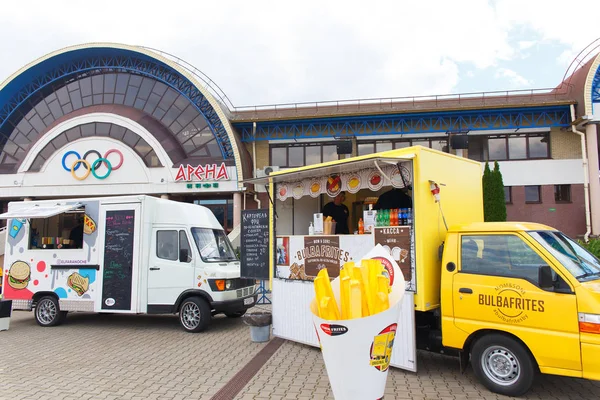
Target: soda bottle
{"points": [[361, 226], [409, 216]]}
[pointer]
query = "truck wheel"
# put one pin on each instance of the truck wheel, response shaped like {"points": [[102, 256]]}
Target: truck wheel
{"points": [[194, 314], [503, 365], [47, 312], [236, 314]]}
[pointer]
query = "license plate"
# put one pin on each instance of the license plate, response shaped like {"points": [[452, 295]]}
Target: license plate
{"points": [[249, 300]]}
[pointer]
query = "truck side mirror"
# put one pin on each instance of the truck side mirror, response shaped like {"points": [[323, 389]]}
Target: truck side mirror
{"points": [[184, 255], [545, 277]]}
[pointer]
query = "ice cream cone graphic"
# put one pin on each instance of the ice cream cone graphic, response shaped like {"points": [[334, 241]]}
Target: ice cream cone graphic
{"points": [[356, 337]]}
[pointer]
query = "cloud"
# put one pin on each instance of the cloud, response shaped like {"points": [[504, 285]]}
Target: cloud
{"points": [[266, 52], [514, 79], [526, 44]]}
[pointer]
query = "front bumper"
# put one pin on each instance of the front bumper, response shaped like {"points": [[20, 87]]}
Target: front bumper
{"points": [[231, 306]]}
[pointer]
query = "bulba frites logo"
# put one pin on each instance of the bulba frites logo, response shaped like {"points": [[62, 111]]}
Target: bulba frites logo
{"points": [[511, 304]]}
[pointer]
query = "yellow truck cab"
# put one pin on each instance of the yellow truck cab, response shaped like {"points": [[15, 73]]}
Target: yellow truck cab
{"points": [[520, 298]]}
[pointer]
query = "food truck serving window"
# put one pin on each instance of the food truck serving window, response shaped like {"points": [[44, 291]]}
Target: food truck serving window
{"points": [[51, 226], [213, 245], [62, 231]]}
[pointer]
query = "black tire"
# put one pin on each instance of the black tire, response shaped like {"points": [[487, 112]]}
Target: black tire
{"points": [[47, 312], [236, 314], [514, 370], [194, 314]]}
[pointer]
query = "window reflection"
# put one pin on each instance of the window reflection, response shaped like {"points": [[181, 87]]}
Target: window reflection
{"points": [[538, 147], [517, 148], [497, 149]]}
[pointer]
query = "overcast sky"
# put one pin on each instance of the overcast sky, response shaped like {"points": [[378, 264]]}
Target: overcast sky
{"points": [[265, 52]]}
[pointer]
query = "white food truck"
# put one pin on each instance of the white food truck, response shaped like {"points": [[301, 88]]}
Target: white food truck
{"points": [[127, 254]]}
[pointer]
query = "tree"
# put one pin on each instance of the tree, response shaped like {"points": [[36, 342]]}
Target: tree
{"points": [[494, 206], [500, 200]]}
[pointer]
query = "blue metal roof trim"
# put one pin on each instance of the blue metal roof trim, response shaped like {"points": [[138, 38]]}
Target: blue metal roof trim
{"points": [[12, 91], [426, 122], [596, 87]]}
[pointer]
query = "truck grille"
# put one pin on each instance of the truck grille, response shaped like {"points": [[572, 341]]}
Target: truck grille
{"points": [[247, 291]]}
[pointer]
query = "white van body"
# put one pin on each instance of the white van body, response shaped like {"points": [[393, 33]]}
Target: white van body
{"points": [[137, 255]]}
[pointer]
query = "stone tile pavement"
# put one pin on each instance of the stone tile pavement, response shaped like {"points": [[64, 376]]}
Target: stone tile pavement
{"points": [[150, 357]]}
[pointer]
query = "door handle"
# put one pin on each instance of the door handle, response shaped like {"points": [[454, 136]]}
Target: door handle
{"points": [[465, 290], [154, 268]]}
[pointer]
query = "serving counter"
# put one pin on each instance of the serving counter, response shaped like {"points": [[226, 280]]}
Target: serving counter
{"points": [[300, 257]]}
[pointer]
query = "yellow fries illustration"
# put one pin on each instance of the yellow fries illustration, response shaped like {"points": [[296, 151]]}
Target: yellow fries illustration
{"points": [[364, 291]]}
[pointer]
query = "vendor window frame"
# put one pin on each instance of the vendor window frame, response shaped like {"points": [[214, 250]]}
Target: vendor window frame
{"points": [[48, 233]]}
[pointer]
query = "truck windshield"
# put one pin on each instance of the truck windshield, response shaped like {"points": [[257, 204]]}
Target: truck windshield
{"points": [[580, 263], [213, 245]]}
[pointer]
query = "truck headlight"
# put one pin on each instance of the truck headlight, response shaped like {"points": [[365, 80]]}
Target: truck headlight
{"points": [[227, 284]]}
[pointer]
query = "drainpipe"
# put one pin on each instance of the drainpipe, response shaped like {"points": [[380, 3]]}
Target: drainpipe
{"points": [[254, 162], [586, 177]]}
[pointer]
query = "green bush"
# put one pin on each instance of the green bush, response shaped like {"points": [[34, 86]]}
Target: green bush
{"points": [[593, 246]]}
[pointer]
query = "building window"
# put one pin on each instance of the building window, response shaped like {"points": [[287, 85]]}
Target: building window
{"points": [[437, 143], [279, 156], [509, 147], [562, 193], [365, 148], [298, 155], [507, 194], [533, 194]]}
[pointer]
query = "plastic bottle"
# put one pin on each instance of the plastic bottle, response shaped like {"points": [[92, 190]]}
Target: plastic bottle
{"points": [[409, 216], [403, 216], [361, 226], [394, 218], [311, 229]]}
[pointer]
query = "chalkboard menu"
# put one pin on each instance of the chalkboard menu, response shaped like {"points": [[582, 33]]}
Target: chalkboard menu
{"points": [[255, 244], [118, 260]]}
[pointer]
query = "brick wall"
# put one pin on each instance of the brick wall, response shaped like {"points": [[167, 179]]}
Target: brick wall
{"points": [[262, 153], [567, 217], [564, 144]]}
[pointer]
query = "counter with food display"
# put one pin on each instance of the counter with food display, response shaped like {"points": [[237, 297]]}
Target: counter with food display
{"points": [[299, 258]]}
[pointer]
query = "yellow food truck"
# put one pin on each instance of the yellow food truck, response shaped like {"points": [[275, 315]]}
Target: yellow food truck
{"points": [[513, 299]]}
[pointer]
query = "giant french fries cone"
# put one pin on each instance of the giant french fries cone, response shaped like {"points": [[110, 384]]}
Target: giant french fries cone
{"points": [[357, 346]]}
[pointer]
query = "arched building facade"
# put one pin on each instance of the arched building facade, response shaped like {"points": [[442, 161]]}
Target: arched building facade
{"points": [[112, 119]]}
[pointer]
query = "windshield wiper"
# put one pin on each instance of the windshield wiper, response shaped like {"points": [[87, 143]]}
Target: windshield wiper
{"points": [[588, 274]]}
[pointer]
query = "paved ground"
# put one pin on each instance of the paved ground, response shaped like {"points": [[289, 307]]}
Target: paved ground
{"points": [[150, 357]]}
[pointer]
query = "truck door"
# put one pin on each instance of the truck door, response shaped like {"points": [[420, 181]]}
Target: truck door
{"points": [[170, 268], [497, 288]]}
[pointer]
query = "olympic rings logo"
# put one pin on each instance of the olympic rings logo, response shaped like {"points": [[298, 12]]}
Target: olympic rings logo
{"points": [[91, 168]]}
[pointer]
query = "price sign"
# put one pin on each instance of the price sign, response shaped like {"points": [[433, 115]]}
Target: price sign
{"points": [[255, 244]]}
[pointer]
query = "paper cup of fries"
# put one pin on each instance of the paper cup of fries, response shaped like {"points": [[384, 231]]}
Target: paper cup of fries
{"points": [[356, 318]]}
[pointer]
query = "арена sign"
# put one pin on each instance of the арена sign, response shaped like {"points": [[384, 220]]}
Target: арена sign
{"points": [[208, 172]]}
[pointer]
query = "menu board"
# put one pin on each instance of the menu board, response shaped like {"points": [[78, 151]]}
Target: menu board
{"points": [[255, 244], [118, 260]]}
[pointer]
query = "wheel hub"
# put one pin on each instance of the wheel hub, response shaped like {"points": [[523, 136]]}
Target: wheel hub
{"points": [[191, 316], [501, 365]]}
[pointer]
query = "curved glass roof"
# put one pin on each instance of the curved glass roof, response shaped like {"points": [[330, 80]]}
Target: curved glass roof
{"points": [[170, 108]]}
